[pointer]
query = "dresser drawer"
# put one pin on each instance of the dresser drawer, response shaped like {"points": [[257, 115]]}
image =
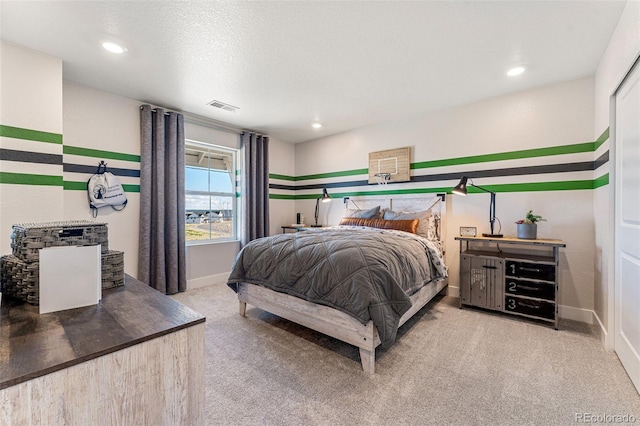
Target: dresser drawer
{"points": [[537, 308], [541, 290], [535, 271]]}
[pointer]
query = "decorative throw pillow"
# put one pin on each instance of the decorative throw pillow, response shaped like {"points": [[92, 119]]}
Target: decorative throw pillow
{"points": [[365, 214], [422, 216], [400, 225], [434, 227]]}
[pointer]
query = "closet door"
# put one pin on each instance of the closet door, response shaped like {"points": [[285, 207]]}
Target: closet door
{"points": [[627, 224]]}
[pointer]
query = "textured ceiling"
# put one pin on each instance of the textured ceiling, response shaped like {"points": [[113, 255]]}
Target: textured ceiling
{"points": [[286, 64]]}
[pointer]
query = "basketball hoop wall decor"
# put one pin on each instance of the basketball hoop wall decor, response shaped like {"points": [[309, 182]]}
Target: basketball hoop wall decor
{"points": [[389, 166]]}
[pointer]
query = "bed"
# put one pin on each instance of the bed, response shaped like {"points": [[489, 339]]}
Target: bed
{"points": [[357, 282]]}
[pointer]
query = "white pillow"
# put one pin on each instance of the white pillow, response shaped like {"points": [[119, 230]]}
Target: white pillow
{"points": [[363, 214], [422, 216]]}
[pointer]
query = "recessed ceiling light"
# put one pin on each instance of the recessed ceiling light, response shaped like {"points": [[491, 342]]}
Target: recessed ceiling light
{"points": [[316, 125], [113, 47], [515, 71]]}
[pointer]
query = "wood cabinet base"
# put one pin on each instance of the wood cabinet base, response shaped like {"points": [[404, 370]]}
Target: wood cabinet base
{"points": [[159, 381]]}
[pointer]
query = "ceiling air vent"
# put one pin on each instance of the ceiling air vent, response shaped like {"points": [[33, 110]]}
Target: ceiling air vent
{"points": [[223, 106]]}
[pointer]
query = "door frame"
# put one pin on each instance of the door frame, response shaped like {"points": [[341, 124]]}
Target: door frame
{"points": [[609, 338]]}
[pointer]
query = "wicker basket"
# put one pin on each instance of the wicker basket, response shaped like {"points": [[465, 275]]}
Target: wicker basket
{"points": [[20, 279], [29, 238], [112, 269]]}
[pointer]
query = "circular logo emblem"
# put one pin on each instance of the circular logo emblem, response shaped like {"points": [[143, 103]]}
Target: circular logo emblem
{"points": [[98, 191]]}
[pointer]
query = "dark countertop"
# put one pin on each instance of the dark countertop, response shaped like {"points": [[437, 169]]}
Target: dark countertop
{"points": [[33, 345]]}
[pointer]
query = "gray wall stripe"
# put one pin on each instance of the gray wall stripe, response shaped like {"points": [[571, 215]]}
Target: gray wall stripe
{"points": [[30, 157], [83, 168], [514, 171], [603, 159]]}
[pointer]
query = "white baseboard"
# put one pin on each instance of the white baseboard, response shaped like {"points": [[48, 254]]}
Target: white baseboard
{"points": [[453, 291], [575, 314], [208, 280], [603, 332]]}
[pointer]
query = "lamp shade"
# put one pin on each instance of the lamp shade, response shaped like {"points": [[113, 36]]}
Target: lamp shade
{"points": [[461, 187], [325, 196]]}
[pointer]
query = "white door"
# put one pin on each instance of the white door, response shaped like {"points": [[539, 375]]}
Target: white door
{"points": [[627, 223]]}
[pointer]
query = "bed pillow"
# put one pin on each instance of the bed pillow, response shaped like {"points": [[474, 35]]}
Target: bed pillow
{"points": [[364, 214], [400, 225], [423, 216]]}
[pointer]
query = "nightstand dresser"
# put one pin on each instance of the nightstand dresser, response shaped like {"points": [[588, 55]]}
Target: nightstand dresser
{"points": [[522, 279]]}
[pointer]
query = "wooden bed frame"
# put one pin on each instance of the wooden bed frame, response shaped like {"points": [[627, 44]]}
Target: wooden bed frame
{"points": [[333, 322]]}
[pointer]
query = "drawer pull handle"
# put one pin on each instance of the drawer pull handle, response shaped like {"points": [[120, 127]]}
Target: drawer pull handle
{"points": [[489, 267], [530, 269], [528, 305], [528, 287]]}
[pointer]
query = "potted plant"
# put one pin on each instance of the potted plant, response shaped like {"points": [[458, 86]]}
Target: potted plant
{"points": [[527, 227]]}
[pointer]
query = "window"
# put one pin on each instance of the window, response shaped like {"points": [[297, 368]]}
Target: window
{"points": [[210, 195]]}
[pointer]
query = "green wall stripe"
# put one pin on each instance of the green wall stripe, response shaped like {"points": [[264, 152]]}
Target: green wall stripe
{"points": [[320, 175], [86, 152], [601, 181], [281, 177], [68, 185], [603, 137], [333, 174], [30, 135], [30, 179], [570, 185], [500, 156], [512, 155], [82, 186]]}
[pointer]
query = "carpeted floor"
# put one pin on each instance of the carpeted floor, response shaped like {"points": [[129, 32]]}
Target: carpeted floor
{"points": [[448, 366]]}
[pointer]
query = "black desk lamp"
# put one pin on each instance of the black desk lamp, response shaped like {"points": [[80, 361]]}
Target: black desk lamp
{"points": [[461, 189], [324, 198]]}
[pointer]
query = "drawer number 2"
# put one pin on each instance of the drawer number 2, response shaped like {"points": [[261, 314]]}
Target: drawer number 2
{"points": [[512, 287]]}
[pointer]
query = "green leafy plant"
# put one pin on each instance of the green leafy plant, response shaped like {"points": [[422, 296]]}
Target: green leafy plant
{"points": [[531, 218]]}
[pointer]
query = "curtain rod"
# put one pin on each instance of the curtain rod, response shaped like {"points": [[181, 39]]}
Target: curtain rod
{"points": [[205, 121]]}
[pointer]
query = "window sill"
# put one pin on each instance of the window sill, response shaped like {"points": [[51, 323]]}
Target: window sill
{"points": [[196, 243]]}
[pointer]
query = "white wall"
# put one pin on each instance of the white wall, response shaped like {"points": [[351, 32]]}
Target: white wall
{"points": [[87, 120], [98, 120], [30, 99], [101, 121], [546, 117], [623, 50], [281, 161]]}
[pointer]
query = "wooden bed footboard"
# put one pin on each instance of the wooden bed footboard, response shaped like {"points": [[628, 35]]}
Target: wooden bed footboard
{"points": [[330, 321]]}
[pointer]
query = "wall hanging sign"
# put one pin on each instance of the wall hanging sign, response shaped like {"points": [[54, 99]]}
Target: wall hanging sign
{"points": [[391, 165]]}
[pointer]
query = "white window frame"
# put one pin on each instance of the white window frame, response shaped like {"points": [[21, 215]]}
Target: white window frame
{"points": [[234, 195]]}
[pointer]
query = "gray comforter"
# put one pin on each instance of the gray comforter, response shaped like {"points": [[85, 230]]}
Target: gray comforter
{"points": [[365, 272]]}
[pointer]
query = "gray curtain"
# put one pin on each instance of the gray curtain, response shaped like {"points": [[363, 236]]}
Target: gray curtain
{"points": [[255, 188], [161, 260]]}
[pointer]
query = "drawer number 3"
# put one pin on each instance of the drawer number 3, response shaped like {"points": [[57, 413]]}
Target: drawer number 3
{"points": [[511, 304]]}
